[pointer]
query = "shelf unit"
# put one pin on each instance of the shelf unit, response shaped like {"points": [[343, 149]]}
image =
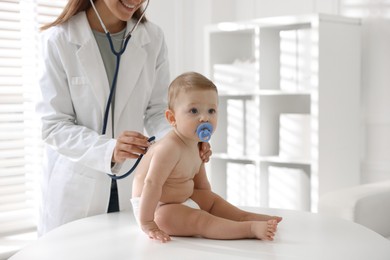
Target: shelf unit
{"points": [[277, 75]]}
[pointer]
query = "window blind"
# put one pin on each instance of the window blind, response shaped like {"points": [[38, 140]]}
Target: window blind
{"points": [[20, 141], [14, 191]]}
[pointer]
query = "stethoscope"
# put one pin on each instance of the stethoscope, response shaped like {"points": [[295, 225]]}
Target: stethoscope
{"points": [[118, 55], [204, 130]]}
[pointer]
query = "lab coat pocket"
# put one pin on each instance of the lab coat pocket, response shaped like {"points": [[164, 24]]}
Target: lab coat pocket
{"points": [[83, 98], [78, 81], [78, 87]]}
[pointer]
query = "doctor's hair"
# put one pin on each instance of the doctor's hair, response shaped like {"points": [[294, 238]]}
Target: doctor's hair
{"points": [[187, 82], [74, 7]]}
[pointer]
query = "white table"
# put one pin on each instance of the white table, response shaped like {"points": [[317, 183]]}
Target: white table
{"points": [[300, 236]]}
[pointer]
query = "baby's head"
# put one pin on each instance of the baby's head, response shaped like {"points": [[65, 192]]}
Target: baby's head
{"points": [[187, 82], [192, 100]]}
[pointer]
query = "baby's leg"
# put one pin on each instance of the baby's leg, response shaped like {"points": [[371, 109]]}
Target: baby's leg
{"points": [[214, 204], [180, 220]]}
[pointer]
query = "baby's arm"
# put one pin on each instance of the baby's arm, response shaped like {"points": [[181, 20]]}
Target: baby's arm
{"points": [[160, 168], [201, 181]]}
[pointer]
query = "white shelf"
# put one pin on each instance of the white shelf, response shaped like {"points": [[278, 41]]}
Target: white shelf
{"points": [[258, 159], [306, 68], [260, 93]]}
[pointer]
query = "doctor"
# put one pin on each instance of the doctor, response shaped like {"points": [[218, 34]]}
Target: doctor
{"points": [[77, 70]]}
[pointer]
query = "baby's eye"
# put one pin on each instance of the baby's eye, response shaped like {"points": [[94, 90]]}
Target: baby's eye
{"points": [[193, 110], [212, 111]]}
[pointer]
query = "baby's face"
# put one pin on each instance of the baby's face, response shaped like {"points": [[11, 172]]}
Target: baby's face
{"points": [[193, 108]]}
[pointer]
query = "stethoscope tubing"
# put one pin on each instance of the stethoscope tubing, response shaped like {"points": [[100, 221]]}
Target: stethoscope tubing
{"points": [[118, 55], [113, 85], [118, 177]]}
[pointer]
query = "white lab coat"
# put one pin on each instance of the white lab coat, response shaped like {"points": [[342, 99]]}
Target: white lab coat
{"points": [[75, 89]]}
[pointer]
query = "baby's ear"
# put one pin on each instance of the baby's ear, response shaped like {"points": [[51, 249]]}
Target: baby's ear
{"points": [[170, 116]]}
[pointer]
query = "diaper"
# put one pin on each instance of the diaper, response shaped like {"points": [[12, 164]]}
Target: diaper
{"points": [[136, 201]]}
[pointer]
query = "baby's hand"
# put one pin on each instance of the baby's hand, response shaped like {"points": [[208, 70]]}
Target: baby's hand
{"points": [[204, 151], [159, 235], [152, 230]]}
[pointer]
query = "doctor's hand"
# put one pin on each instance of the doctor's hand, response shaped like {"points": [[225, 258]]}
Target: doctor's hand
{"points": [[129, 145]]}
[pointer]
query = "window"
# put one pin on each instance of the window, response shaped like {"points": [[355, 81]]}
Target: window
{"points": [[20, 144]]}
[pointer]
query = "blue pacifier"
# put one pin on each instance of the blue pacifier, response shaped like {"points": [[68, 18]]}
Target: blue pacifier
{"points": [[204, 131]]}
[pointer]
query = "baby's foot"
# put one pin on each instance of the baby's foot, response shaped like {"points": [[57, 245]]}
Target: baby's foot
{"points": [[277, 218], [261, 217], [264, 230]]}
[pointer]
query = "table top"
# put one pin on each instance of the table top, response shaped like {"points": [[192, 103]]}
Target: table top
{"points": [[301, 235]]}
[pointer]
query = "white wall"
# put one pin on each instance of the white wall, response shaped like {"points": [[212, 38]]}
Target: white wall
{"points": [[183, 22], [376, 100]]}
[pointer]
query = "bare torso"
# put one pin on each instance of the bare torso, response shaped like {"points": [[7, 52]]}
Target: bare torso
{"points": [[179, 185]]}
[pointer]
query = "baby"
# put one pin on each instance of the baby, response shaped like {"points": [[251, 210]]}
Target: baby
{"points": [[171, 193]]}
